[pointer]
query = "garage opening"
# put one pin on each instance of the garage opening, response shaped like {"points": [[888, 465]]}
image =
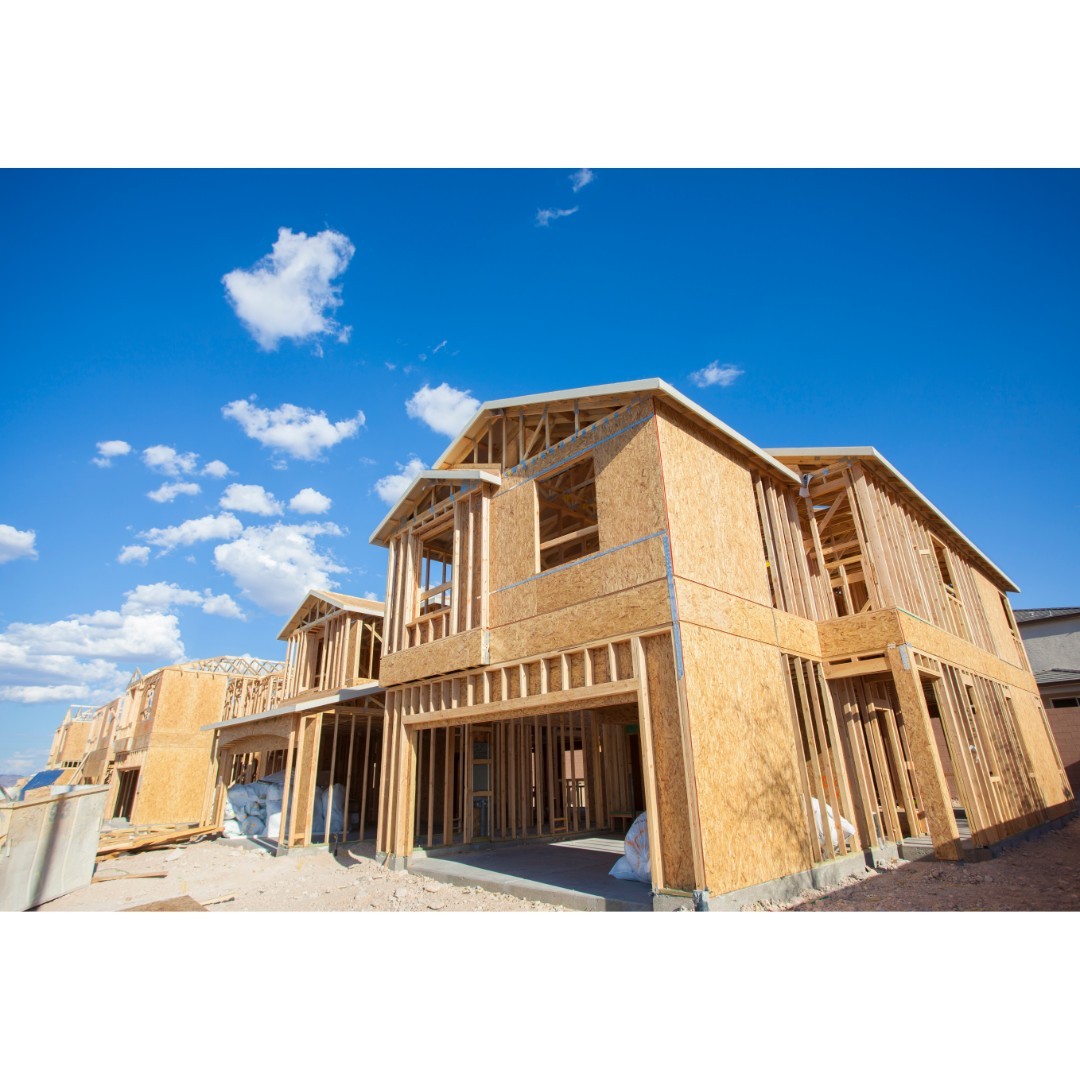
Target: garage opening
{"points": [[552, 775]]}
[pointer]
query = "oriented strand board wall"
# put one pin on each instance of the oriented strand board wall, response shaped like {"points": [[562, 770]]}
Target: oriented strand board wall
{"points": [[1039, 747], [753, 826], [670, 767], [1000, 631], [172, 786], [629, 486], [715, 531], [186, 700]]}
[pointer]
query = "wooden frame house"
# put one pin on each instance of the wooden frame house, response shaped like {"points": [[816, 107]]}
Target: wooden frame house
{"points": [[319, 721], [148, 744], [603, 601], [69, 743]]}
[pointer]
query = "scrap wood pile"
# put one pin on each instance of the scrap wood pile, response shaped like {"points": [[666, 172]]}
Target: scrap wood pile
{"points": [[115, 842]]}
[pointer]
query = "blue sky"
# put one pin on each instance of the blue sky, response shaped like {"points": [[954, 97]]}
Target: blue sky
{"points": [[932, 314]]}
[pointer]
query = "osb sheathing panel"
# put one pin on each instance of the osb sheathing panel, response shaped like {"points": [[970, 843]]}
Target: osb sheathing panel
{"points": [[626, 612], [277, 728], [605, 432], [753, 826], [928, 638], [172, 786], [607, 572], [669, 764], [1044, 761], [513, 545], [718, 610], [454, 653], [629, 486], [1000, 630], [869, 632], [186, 700], [715, 533]]}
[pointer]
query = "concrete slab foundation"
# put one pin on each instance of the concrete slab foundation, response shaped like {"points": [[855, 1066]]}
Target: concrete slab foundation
{"points": [[571, 873]]}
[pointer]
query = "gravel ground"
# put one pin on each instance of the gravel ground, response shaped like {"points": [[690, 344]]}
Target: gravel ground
{"points": [[210, 869]]}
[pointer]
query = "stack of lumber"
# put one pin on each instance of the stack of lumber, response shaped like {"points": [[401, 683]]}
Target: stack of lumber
{"points": [[121, 841]]}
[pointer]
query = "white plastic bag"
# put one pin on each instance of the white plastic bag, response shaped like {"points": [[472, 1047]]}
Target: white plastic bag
{"points": [[635, 864], [845, 825]]}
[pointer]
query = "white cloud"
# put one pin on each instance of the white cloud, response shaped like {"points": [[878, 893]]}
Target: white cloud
{"points": [[441, 345], [216, 469], [276, 565], [309, 501], [579, 179], [24, 762], [193, 531], [391, 488], [109, 449], [167, 492], [371, 596], [161, 597], [133, 553], [301, 433], [16, 543], [442, 408], [716, 374], [164, 459], [546, 217], [288, 293], [251, 499], [76, 658]]}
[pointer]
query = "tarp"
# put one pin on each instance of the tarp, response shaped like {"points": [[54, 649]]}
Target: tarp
{"points": [[41, 779]]}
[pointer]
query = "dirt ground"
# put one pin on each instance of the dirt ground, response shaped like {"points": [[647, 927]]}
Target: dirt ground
{"points": [[211, 869], [1041, 874]]}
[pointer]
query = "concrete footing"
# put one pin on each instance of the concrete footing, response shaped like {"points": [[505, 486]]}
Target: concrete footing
{"points": [[784, 889]]}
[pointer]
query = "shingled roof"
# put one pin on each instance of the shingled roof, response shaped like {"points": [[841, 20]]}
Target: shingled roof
{"points": [[1034, 614]]}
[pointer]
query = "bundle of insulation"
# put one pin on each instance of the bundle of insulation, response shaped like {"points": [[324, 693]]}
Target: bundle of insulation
{"points": [[635, 865], [337, 812], [845, 825], [245, 809]]}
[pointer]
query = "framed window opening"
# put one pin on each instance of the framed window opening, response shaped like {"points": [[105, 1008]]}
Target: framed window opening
{"points": [[568, 526]]}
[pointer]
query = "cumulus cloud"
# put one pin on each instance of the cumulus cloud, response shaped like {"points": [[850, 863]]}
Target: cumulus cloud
{"points": [[133, 553], [716, 374], [289, 293], [251, 499], [442, 408], [165, 459], [309, 501], [217, 469], [16, 543], [291, 429], [162, 597], [579, 179], [193, 531], [109, 449], [276, 565], [167, 492], [391, 488], [546, 217], [77, 658]]}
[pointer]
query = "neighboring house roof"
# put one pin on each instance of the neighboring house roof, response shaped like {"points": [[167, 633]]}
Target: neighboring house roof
{"points": [[872, 454], [42, 779], [1056, 675], [1024, 615], [339, 600]]}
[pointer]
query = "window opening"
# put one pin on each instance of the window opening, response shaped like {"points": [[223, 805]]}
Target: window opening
{"points": [[568, 524]]}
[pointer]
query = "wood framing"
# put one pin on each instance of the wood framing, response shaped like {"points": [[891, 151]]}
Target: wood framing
{"points": [[606, 600]]}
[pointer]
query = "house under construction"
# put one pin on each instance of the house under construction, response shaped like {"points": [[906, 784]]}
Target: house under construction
{"points": [[318, 720], [604, 601], [147, 744]]}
